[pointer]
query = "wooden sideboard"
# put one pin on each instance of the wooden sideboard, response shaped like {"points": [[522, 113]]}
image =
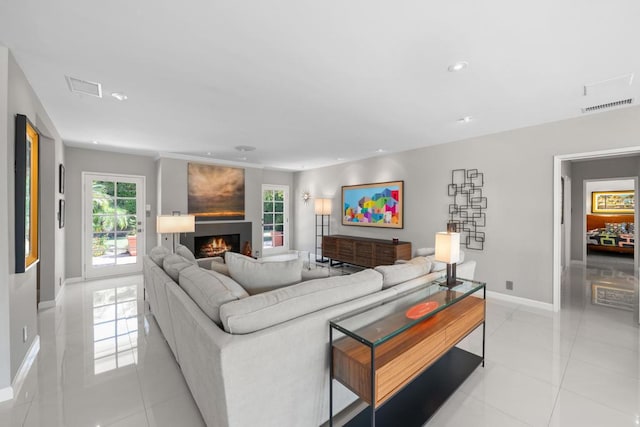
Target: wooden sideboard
{"points": [[364, 251]]}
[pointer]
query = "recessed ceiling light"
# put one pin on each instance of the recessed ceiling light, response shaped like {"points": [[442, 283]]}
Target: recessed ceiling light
{"points": [[339, 159], [379, 150], [95, 142], [208, 153], [244, 148], [242, 158], [458, 66], [119, 96], [465, 119]]}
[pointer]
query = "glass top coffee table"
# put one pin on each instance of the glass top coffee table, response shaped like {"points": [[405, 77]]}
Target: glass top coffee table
{"points": [[392, 351]]}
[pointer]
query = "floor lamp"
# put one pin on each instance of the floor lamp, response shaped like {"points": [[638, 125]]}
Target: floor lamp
{"points": [[173, 224], [323, 213]]}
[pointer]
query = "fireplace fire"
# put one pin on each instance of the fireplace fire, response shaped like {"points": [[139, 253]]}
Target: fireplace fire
{"points": [[210, 246]]}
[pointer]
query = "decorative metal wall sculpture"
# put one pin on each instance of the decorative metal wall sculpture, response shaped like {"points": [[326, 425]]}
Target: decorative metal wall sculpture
{"points": [[467, 212]]}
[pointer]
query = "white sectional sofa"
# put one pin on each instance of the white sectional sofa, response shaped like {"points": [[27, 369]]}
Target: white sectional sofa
{"points": [[263, 359]]}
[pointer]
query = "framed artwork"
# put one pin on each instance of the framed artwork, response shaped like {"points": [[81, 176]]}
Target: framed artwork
{"points": [[27, 184], [62, 178], [373, 205], [215, 192], [613, 201], [61, 213]]}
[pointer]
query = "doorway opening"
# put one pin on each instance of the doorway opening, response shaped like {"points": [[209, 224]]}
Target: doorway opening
{"points": [[275, 219], [114, 224], [571, 248]]}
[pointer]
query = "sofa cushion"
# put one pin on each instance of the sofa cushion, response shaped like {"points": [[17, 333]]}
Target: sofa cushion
{"points": [[157, 255], [258, 276], [271, 308], [173, 264], [209, 290], [398, 273], [186, 253]]}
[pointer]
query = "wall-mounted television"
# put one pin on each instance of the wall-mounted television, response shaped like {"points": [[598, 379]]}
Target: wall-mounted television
{"points": [[380, 204]]}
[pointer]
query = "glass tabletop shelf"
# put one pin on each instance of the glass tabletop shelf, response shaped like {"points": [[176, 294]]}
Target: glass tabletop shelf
{"points": [[377, 323]]}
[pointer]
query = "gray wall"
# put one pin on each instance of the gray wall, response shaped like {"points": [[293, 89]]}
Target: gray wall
{"points": [[619, 167], [5, 167], [18, 291], [172, 190], [80, 160], [52, 244], [518, 175]]}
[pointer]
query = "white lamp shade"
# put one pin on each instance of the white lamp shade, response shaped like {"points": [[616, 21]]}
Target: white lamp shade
{"points": [[175, 224], [448, 247], [323, 206]]}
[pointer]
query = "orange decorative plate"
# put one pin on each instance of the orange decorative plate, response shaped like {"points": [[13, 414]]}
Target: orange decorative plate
{"points": [[421, 309]]}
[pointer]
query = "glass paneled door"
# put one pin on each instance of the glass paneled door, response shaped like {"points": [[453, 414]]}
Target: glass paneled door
{"points": [[275, 219], [113, 224]]}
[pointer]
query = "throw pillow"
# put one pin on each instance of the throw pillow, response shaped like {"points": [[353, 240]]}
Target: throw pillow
{"points": [[209, 290], [185, 253], [257, 276], [158, 253], [398, 273], [173, 264], [611, 228]]}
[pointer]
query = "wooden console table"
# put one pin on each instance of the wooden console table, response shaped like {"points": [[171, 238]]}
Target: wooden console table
{"points": [[364, 251], [406, 367]]}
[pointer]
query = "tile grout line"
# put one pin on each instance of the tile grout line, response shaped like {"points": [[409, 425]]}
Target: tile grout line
{"points": [[560, 388]]}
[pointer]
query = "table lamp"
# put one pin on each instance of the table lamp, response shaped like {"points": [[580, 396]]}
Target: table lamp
{"points": [[175, 224], [448, 251]]}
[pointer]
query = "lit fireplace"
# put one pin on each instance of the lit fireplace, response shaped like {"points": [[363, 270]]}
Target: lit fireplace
{"points": [[209, 246]]}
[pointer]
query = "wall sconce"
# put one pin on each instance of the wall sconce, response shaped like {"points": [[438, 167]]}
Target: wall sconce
{"points": [[322, 210], [448, 251], [173, 224]]}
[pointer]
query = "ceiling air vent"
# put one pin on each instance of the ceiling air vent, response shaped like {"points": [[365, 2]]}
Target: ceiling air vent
{"points": [[84, 87], [608, 105]]}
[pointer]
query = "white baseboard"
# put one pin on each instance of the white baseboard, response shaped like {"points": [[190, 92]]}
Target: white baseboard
{"points": [[519, 300], [6, 394], [9, 393], [70, 280], [577, 262], [42, 305]]}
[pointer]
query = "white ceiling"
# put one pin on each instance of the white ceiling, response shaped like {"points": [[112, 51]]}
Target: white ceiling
{"points": [[311, 82]]}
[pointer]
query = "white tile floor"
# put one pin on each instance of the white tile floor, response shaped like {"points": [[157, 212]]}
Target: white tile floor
{"points": [[104, 363]]}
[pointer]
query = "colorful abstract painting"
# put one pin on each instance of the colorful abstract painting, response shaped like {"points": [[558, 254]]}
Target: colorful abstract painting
{"points": [[373, 205], [215, 192]]}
